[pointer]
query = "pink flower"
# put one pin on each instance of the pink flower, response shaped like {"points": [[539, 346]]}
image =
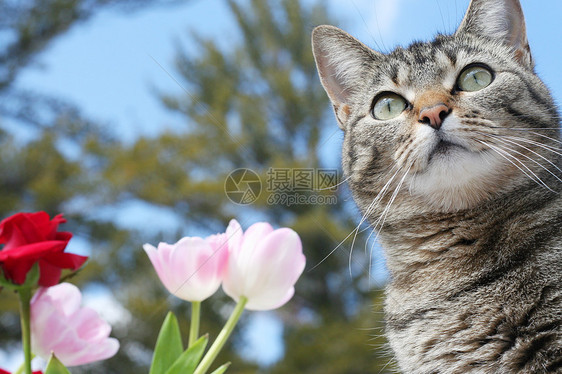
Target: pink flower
{"points": [[264, 265], [193, 268], [59, 325]]}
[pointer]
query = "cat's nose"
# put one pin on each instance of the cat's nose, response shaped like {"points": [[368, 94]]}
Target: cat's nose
{"points": [[434, 115]]}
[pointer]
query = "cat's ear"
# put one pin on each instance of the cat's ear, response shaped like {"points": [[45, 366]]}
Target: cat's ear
{"points": [[499, 19], [342, 65]]}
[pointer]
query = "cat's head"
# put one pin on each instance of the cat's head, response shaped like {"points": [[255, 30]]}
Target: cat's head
{"points": [[451, 119]]}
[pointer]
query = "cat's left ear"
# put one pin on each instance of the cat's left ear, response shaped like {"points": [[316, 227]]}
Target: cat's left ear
{"points": [[499, 19]]}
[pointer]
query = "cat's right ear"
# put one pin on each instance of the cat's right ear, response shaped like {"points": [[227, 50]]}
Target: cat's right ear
{"points": [[341, 61]]}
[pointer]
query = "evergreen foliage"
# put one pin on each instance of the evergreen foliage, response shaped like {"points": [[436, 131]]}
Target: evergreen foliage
{"points": [[253, 103]]}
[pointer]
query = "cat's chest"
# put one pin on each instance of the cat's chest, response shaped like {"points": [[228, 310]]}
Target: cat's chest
{"points": [[422, 247], [448, 338], [456, 332]]}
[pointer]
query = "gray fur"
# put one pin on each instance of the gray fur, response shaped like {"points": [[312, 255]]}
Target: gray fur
{"points": [[473, 234]]}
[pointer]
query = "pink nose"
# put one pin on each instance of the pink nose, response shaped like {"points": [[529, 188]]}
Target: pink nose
{"points": [[435, 115]]}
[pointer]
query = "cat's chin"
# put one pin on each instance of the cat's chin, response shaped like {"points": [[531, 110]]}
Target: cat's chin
{"points": [[444, 151], [456, 178]]}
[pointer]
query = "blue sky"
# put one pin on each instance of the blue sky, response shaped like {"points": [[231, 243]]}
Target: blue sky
{"points": [[106, 65], [112, 65]]}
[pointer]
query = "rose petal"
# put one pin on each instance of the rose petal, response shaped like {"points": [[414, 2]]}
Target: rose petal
{"points": [[32, 237]]}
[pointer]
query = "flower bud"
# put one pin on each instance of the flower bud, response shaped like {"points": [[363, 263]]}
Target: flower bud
{"points": [[264, 265], [193, 268], [59, 325]]}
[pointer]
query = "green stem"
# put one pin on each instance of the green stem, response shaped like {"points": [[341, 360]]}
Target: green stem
{"points": [[20, 369], [195, 318], [25, 297], [213, 352]]}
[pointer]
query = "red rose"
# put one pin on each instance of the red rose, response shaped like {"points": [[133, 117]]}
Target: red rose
{"points": [[32, 237], [7, 372]]}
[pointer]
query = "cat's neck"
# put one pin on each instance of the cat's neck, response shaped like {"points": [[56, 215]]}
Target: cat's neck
{"points": [[426, 250]]}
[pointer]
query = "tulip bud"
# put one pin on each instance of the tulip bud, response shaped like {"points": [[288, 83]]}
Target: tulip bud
{"points": [[59, 325], [193, 268], [264, 265]]}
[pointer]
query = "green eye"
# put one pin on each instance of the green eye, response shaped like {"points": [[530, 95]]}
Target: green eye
{"points": [[474, 78], [388, 105]]}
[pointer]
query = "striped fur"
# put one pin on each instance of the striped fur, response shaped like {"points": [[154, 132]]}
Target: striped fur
{"points": [[472, 231]]}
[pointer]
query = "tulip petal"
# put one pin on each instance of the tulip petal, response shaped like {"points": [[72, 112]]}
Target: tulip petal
{"points": [[67, 298], [254, 234], [245, 257], [269, 301], [75, 335], [155, 257], [265, 268], [104, 350], [193, 268], [234, 235], [89, 325], [280, 254]]}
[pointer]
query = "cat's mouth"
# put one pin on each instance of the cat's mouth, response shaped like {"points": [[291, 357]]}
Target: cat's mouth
{"points": [[444, 148]]}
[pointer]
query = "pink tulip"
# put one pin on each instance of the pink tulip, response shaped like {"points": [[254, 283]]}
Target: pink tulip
{"points": [[193, 268], [59, 325], [264, 265]]}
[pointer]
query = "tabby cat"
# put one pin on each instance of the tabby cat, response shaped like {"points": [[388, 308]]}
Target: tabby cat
{"points": [[453, 153]]}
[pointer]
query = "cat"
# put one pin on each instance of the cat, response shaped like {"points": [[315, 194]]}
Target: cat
{"points": [[452, 152]]}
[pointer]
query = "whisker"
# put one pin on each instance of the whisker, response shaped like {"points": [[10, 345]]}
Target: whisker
{"points": [[531, 131], [393, 197], [379, 197], [384, 214], [544, 146], [527, 149], [535, 161], [385, 366], [526, 128], [506, 155], [334, 186], [332, 251], [354, 231], [547, 137]]}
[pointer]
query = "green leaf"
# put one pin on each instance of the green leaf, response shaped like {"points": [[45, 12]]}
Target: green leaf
{"points": [[168, 346], [221, 369], [189, 359], [54, 366]]}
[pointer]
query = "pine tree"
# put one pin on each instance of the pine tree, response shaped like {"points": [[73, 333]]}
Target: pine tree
{"points": [[254, 103]]}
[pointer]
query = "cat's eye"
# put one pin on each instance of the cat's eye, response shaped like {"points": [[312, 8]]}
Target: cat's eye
{"points": [[388, 105], [474, 78]]}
